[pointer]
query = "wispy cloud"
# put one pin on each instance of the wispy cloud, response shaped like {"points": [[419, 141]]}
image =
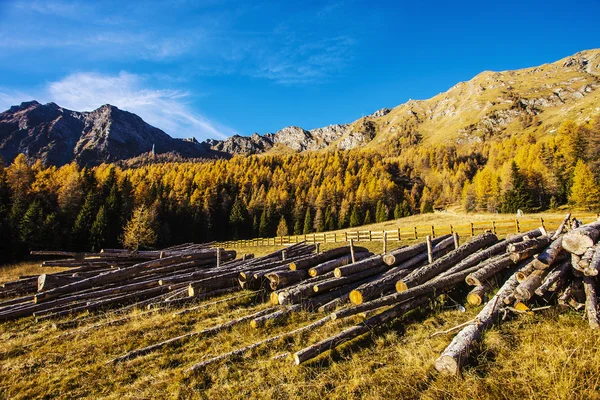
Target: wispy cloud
{"points": [[166, 109]]}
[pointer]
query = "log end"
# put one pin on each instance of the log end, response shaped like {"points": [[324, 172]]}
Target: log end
{"points": [[337, 273], [590, 272], [401, 286], [577, 244], [474, 299], [191, 291], [293, 266], [447, 365], [297, 360], [274, 298], [389, 259], [472, 281], [356, 297], [313, 272]]}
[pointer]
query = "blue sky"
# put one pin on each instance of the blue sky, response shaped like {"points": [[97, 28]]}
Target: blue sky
{"points": [[215, 68]]}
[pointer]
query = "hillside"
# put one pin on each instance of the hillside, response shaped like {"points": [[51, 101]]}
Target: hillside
{"points": [[491, 105]]}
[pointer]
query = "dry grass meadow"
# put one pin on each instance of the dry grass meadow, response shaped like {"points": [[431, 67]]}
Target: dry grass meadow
{"points": [[547, 355]]}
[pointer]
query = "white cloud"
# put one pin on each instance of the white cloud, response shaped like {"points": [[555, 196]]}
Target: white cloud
{"points": [[166, 109]]}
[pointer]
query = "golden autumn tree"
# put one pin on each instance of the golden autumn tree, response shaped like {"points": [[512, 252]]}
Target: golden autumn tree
{"points": [[584, 192]]}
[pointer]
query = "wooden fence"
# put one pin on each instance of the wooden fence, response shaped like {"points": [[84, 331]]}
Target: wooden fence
{"points": [[500, 228]]}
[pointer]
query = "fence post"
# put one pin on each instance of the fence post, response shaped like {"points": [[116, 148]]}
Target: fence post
{"points": [[432, 231], [451, 229], [416, 237], [384, 242], [542, 221], [370, 235], [218, 257], [494, 226], [346, 236], [398, 234], [517, 225], [472, 229], [429, 249], [352, 251]]}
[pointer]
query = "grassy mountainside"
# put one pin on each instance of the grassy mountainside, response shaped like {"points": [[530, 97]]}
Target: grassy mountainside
{"points": [[498, 104]]}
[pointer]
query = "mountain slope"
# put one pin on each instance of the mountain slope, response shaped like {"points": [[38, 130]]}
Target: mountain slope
{"points": [[58, 136], [492, 104]]}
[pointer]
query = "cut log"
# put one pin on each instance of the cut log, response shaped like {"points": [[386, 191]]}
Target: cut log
{"points": [[445, 283], [337, 282], [377, 288], [182, 338], [579, 240], [359, 266], [348, 334], [331, 265], [561, 270], [284, 278], [591, 301], [395, 257], [325, 256], [260, 321], [427, 272], [550, 254], [489, 269], [594, 265], [456, 354], [478, 295], [236, 353], [51, 281], [526, 289]]}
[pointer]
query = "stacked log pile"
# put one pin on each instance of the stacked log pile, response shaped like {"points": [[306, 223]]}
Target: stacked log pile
{"points": [[534, 267]]}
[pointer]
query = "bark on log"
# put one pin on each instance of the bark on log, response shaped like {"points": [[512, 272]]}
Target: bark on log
{"points": [[594, 265], [561, 227], [427, 272], [260, 321], [455, 355], [359, 266], [550, 255], [489, 269], [526, 289], [563, 269], [585, 260], [236, 353], [284, 278], [579, 240], [331, 265], [591, 301], [382, 286], [395, 257], [427, 288], [182, 338], [337, 282], [348, 334], [325, 256], [51, 281]]}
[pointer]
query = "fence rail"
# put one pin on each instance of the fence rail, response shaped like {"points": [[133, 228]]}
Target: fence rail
{"points": [[500, 228]]}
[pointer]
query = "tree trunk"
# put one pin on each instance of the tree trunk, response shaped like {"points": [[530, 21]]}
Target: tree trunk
{"points": [[594, 265], [526, 289], [489, 269], [337, 282], [479, 294], [378, 287], [359, 266], [550, 255], [455, 355], [563, 269], [325, 256]]}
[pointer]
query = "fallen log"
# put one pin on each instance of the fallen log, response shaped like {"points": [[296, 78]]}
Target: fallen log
{"points": [[591, 301], [332, 342], [260, 321], [359, 266], [182, 338], [489, 269], [331, 265], [455, 355], [427, 272], [594, 266], [325, 256], [526, 289], [550, 254], [561, 270], [585, 260], [395, 257], [337, 282], [479, 294]]}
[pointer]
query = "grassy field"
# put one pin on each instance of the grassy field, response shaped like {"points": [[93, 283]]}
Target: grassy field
{"points": [[547, 355]]}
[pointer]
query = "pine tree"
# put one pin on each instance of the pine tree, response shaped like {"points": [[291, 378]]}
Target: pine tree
{"points": [[519, 197], [263, 228], [381, 214], [308, 222], [319, 222], [330, 219], [355, 217], [368, 219], [238, 219], [584, 192], [29, 232], [282, 228], [140, 230], [80, 234]]}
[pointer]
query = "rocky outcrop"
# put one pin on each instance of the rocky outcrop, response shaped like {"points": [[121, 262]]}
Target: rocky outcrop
{"points": [[58, 136]]}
